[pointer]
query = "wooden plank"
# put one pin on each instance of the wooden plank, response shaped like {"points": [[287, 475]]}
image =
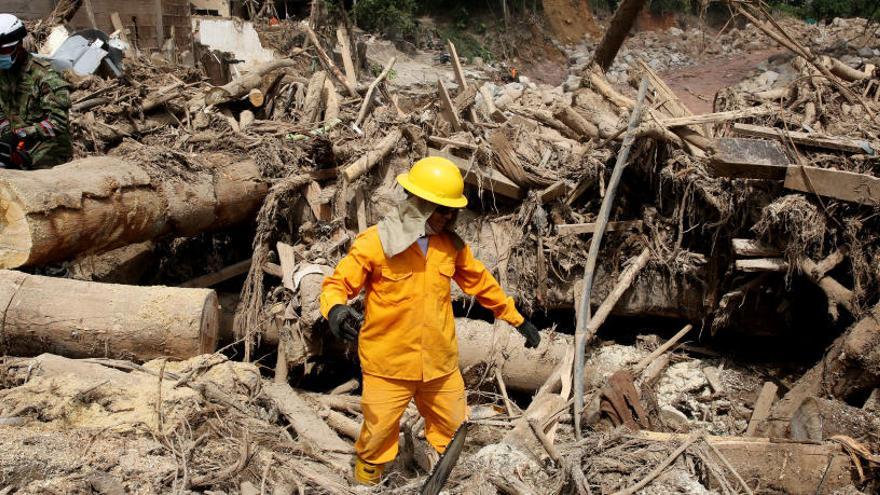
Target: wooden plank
{"points": [[361, 210], [447, 108], [287, 258], [761, 412], [751, 247], [90, 12], [487, 180], [160, 29], [123, 32], [817, 141], [459, 75], [589, 228], [838, 184], [219, 276], [304, 420], [322, 211], [748, 158], [747, 170], [553, 191], [713, 376], [762, 265], [450, 142], [345, 50]]}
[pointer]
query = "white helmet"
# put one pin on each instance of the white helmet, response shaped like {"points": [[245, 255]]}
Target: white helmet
{"points": [[12, 30]]}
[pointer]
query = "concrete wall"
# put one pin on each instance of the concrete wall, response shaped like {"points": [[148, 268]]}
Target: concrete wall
{"points": [[232, 35], [140, 17], [220, 6]]}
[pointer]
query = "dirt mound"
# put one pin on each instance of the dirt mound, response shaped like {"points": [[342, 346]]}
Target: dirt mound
{"points": [[570, 20]]}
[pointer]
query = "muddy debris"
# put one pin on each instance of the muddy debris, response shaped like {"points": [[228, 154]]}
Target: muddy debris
{"points": [[731, 339]]}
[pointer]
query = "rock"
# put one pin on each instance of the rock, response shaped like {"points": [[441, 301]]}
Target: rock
{"points": [[478, 62], [673, 419], [866, 52], [674, 31], [678, 380]]}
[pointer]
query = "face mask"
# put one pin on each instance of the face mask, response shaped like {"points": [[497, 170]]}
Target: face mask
{"points": [[6, 62]]}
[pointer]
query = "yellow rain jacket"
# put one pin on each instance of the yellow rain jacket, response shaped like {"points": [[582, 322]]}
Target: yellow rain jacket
{"points": [[409, 330]]}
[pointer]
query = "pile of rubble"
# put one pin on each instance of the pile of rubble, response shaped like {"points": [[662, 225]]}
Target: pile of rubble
{"points": [[755, 220]]}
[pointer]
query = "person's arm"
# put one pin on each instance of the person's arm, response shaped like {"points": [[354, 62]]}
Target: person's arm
{"points": [[475, 280], [349, 277], [55, 98]]}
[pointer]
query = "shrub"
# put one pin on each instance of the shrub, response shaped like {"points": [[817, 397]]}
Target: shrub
{"points": [[392, 18]]}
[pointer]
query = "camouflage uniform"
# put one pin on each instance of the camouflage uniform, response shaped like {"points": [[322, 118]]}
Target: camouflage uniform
{"points": [[34, 100]]}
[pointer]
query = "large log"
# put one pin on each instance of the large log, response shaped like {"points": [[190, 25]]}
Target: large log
{"points": [[100, 203], [522, 369], [850, 367], [88, 319]]}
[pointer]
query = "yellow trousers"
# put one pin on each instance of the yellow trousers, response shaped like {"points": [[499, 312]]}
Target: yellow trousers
{"points": [[440, 401]]}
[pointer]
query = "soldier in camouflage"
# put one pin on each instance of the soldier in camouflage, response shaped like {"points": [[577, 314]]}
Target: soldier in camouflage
{"points": [[34, 100]]}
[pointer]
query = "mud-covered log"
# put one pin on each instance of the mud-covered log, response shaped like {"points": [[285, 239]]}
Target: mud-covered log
{"points": [[80, 319], [851, 366], [522, 369], [99, 203], [820, 419]]}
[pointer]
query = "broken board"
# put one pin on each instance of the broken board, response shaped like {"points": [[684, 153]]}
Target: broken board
{"points": [[742, 158], [488, 180], [838, 184]]}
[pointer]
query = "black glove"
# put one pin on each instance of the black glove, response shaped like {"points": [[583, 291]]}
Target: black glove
{"points": [[530, 332], [13, 153], [345, 322]]}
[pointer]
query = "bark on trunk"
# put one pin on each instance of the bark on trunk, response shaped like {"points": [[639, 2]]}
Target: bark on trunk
{"points": [[480, 342], [97, 204], [621, 23], [850, 366], [820, 419], [80, 319]]}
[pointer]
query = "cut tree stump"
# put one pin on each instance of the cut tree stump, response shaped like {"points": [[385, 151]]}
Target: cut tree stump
{"points": [[100, 203], [80, 319]]}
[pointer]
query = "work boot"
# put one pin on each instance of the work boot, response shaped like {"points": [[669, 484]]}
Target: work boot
{"points": [[366, 473]]}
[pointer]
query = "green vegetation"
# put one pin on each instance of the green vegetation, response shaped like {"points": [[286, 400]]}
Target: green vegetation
{"points": [[392, 18], [829, 9]]}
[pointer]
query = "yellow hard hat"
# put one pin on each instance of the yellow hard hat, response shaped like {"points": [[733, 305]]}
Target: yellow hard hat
{"points": [[437, 180]]}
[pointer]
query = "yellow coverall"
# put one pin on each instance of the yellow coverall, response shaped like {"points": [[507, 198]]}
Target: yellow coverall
{"points": [[407, 344]]}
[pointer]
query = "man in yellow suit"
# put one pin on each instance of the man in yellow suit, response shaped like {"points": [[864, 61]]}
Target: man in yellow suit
{"points": [[406, 339]]}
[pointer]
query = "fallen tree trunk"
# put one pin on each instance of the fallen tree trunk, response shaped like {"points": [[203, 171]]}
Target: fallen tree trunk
{"points": [[820, 419], [241, 86], [100, 203], [499, 345], [851, 365], [79, 319]]}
